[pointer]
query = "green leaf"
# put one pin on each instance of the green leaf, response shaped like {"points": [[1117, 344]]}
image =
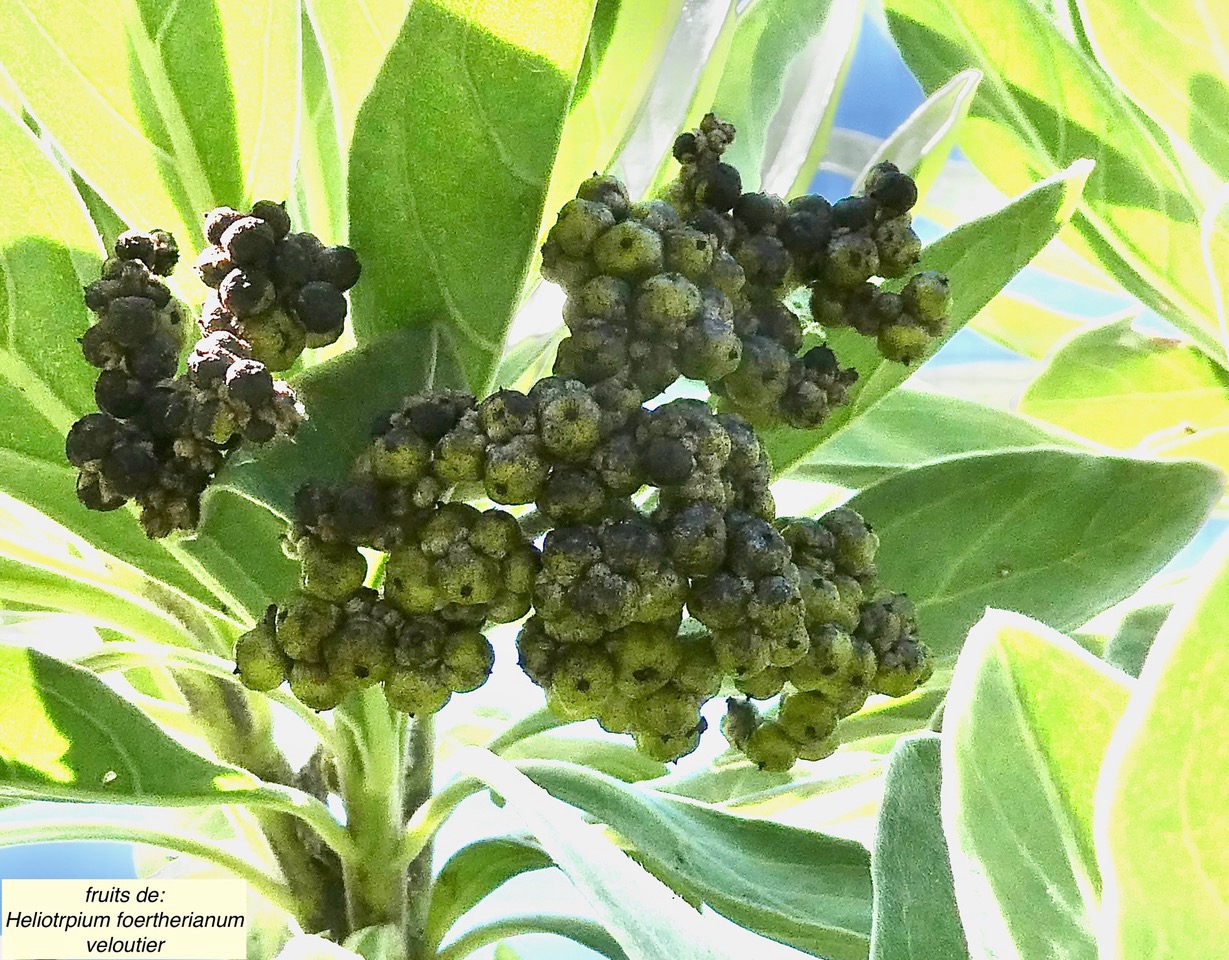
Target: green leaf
{"points": [[915, 902], [505, 952], [921, 144], [452, 152], [626, 44], [642, 914], [48, 249], [775, 42], [1126, 389], [682, 92], [1023, 325], [747, 870], [1160, 826], [311, 947], [1028, 720], [1053, 534], [355, 38], [1129, 646], [344, 395], [798, 137], [979, 258], [879, 726], [615, 757], [1165, 55], [53, 747], [911, 427], [320, 183], [233, 70], [528, 361], [1044, 104], [473, 873]]}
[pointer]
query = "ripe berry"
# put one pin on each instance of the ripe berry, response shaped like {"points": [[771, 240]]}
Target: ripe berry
{"points": [[275, 215], [246, 293], [248, 241], [320, 307]]}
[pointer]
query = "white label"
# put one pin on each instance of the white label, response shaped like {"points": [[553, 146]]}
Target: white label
{"points": [[128, 919]]}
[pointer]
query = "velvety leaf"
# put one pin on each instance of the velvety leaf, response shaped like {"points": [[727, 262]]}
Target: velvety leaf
{"points": [[744, 869], [1044, 104], [473, 873], [641, 913], [911, 427], [1052, 534], [1028, 719], [1161, 831], [772, 40], [915, 901], [797, 140], [452, 152], [1126, 389], [615, 757], [53, 747], [338, 427], [879, 726], [1023, 325], [355, 38], [1164, 54], [626, 45], [682, 92], [920, 146], [319, 200], [1128, 647], [979, 258], [505, 952]]}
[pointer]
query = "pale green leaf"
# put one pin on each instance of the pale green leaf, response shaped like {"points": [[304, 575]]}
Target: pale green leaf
{"points": [[911, 427], [319, 201], [1168, 56], [474, 872], [355, 38], [979, 258], [772, 45], [744, 869], [614, 756], [1028, 720], [921, 144], [626, 44], [1044, 104], [915, 902], [1126, 389], [449, 166], [682, 92], [1023, 325], [1161, 830], [65, 735], [1053, 534], [641, 912]]}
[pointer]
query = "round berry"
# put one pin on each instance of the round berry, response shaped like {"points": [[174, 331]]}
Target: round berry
{"points": [[320, 307], [249, 382], [91, 438], [249, 242], [118, 394], [628, 249], [275, 215], [338, 266], [217, 221], [246, 293], [131, 468]]}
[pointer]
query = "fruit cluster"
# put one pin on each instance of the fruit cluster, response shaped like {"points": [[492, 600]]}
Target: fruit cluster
{"points": [[696, 284], [162, 435], [664, 575], [278, 291]]}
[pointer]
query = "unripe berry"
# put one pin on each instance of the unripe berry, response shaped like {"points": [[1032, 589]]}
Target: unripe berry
{"points": [[304, 624], [808, 716], [581, 682], [853, 258], [903, 343], [331, 572], [893, 191], [315, 686], [415, 694], [666, 303], [468, 659], [580, 222], [628, 249], [770, 748], [259, 660], [515, 471]]}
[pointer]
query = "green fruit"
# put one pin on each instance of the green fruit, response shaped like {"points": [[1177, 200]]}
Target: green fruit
{"points": [[360, 651], [414, 693], [628, 249], [468, 659], [770, 748], [580, 223], [928, 297], [852, 259], [807, 716], [315, 686], [260, 661], [304, 624], [583, 680], [400, 456], [666, 748], [646, 655], [570, 426], [666, 304], [903, 342], [332, 572], [465, 576], [408, 580], [740, 721], [762, 685], [667, 711], [515, 471]]}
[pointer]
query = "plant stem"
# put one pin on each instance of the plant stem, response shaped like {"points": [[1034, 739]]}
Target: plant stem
{"points": [[430, 815], [419, 782], [370, 767], [244, 738]]}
